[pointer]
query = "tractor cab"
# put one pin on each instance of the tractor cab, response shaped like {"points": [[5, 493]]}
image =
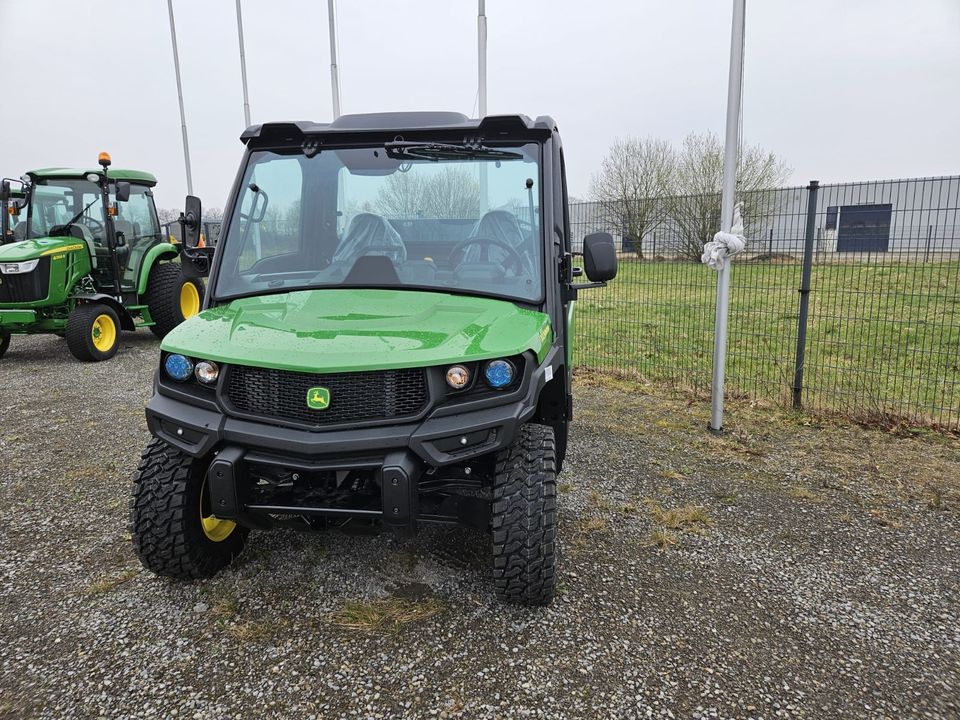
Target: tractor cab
{"points": [[111, 211]]}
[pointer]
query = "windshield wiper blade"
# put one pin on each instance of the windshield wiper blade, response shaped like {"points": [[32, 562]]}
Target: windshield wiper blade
{"points": [[402, 149]]}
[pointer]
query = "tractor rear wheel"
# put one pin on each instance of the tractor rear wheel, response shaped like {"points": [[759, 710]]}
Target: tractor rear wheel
{"points": [[525, 517], [174, 530], [171, 297], [93, 332], [4, 342]]}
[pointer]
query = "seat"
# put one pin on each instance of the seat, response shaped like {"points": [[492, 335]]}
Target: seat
{"points": [[371, 235], [499, 225]]}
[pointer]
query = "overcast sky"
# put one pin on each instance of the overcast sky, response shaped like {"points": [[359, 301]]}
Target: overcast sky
{"points": [[841, 89]]}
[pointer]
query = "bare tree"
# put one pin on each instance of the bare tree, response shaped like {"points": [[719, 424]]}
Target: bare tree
{"points": [[213, 214], [452, 193], [167, 215], [634, 178], [694, 205]]}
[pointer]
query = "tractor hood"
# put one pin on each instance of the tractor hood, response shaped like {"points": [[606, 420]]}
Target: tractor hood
{"points": [[30, 249], [338, 330]]}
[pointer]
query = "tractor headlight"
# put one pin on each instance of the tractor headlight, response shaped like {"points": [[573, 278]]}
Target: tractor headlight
{"points": [[499, 373], [18, 268], [178, 367], [207, 372], [458, 377]]}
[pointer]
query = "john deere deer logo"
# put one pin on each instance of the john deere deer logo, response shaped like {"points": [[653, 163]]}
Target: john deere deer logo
{"points": [[318, 398]]}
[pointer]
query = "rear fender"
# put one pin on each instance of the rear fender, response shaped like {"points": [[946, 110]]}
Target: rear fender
{"points": [[165, 251], [126, 319]]}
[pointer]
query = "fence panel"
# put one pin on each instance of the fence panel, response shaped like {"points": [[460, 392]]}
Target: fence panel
{"points": [[883, 333]]}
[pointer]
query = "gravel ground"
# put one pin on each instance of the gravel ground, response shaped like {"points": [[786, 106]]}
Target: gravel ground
{"points": [[811, 571]]}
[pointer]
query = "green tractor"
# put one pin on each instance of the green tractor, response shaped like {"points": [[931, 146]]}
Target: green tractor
{"points": [[83, 257]]}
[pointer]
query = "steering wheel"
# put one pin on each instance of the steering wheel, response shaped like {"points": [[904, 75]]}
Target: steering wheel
{"points": [[88, 221], [513, 257]]}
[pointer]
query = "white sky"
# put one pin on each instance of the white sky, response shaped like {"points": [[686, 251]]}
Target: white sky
{"points": [[842, 89]]}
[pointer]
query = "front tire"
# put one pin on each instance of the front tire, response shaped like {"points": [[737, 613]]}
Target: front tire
{"points": [[525, 518], [174, 532], [171, 297], [4, 343], [93, 332]]}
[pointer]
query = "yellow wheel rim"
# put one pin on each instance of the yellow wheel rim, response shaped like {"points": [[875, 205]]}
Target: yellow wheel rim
{"points": [[214, 528], [189, 300], [104, 333]]}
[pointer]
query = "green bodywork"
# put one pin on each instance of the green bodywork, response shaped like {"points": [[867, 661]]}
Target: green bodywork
{"points": [[350, 330], [132, 176]]}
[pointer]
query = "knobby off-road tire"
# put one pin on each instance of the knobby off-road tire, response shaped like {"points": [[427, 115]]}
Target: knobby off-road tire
{"points": [[4, 343], [93, 332], [166, 286], [525, 518], [166, 517]]}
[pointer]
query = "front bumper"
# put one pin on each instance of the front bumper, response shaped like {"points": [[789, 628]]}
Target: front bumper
{"points": [[445, 436]]}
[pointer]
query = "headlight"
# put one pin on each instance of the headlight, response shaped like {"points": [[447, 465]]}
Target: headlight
{"points": [[458, 377], [499, 373], [178, 367], [207, 372], [20, 267]]}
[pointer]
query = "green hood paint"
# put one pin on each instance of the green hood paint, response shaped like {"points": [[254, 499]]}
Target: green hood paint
{"points": [[338, 330], [30, 249]]}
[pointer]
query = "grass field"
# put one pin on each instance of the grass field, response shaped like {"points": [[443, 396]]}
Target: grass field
{"points": [[883, 339]]}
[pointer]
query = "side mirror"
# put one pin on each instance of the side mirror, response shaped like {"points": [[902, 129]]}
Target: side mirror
{"points": [[599, 257], [123, 191], [190, 221], [4, 191]]}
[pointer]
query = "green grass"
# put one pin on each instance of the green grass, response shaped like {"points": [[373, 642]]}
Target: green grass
{"points": [[883, 339]]}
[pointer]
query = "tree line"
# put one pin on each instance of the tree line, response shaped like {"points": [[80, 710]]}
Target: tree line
{"points": [[646, 184]]}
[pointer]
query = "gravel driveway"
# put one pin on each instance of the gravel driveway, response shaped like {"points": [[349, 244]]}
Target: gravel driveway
{"points": [[791, 568]]}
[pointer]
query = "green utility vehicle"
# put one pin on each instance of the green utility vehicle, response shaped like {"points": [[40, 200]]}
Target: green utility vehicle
{"points": [[386, 340], [83, 257]]}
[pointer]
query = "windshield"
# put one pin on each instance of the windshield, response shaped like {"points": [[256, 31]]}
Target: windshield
{"points": [[55, 202], [459, 221]]}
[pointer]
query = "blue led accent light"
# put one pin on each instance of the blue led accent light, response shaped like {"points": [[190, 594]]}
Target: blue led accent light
{"points": [[499, 373], [178, 367]]}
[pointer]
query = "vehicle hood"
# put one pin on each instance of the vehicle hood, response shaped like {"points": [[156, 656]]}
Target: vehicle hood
{"points": [[337, 330], [30, 249]]}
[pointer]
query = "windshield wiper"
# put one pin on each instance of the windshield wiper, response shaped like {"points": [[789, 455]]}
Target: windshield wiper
{"points": [[400, 150]]}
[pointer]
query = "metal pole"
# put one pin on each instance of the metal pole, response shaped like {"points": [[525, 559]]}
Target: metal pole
{"points": [[183, 117], [482, 59], [805, 293], [729, 187], [334, 69], [243, 68], [482, 92]]}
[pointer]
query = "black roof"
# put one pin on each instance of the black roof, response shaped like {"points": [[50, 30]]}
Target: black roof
{"points": [[402, 122]]}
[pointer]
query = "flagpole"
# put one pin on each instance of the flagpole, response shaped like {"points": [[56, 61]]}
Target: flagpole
{"points": [[334, 68], [482, 91], [729, 188], [183, 117], [243, 68]]}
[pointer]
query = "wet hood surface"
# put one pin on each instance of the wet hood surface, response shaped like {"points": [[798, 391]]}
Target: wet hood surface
{"points": [[334, 330]]}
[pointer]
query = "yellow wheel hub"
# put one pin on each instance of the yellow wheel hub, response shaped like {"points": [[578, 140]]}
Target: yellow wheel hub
{"points": [[104, 333], [214, 528], [189, 300]]}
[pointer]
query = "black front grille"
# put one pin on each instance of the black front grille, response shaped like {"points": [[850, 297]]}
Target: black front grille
{"points": [[357, 397], [26, 287]]}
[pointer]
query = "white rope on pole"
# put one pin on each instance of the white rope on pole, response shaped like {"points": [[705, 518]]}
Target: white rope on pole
{"points": [[183, 117], [243, 69], [334, 68], [482, 93], [729, 187]]}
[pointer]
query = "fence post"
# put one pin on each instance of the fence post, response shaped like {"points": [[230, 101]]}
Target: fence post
{"points": [[926, 254], [770, 251], [805, 292]]}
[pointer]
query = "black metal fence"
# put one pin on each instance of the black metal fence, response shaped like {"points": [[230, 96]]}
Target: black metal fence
{"points": [[880, 337]]}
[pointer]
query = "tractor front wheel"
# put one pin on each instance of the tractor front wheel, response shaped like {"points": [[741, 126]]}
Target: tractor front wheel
{"points": [[93, 332], [171, 297], [175, 532], [4, 342]]}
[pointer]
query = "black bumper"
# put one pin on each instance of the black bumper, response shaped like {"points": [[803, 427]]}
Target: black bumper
{"points": [[446, 436]]}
